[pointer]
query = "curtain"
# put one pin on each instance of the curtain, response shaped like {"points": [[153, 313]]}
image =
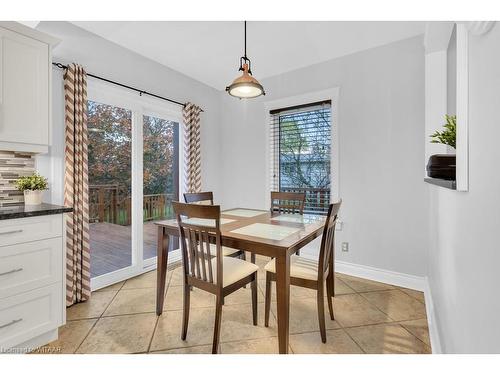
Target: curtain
{"points": [[192, 161], [76, 186]]}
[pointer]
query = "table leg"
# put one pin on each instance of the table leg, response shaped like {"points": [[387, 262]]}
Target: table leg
{"points": [[283, 300], [161, 268]]}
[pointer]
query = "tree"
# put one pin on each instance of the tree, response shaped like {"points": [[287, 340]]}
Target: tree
{"points": [[305, 149], [110, 150]]}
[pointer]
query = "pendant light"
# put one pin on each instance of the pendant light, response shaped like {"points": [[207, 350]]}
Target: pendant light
{"points": [[245, 86]]}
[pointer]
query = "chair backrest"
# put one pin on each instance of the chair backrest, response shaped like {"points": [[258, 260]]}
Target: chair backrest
{"points": [[205, 197], [290, 203], [198, 226], [328, 241]]}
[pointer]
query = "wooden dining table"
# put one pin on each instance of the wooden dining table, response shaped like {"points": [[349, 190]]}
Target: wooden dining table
{"points": [[260, 232]]}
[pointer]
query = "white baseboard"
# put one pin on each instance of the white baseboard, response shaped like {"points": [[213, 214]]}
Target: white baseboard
{"points": [[402, 280], [432, 320], [384, 276]]}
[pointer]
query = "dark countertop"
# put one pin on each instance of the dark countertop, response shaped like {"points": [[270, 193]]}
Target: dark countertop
{"points": [[16, 212]]}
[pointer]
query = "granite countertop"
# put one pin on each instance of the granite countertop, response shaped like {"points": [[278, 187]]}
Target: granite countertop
{"points": [[16, 212]]}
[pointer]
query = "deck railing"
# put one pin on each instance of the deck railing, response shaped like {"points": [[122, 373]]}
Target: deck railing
{"points": [[317, 200], [109, 204]]}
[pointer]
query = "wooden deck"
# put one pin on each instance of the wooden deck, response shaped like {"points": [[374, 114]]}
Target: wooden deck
{"points": [[111, 246]]}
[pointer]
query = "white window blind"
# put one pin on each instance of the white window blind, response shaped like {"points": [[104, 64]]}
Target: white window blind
{"points": [[300, 152]]}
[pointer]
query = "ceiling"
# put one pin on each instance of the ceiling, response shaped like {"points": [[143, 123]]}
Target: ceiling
{"points": [[209, 51]]}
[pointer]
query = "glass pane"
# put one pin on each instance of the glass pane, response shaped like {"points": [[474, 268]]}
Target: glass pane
{"points": [[160, 176], [110, 187], [304, 156]]}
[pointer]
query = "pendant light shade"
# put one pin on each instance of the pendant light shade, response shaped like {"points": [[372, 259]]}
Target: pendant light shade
{"points": [[245, 86]]}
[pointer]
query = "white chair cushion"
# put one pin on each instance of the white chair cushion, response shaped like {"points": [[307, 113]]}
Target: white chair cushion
{"points": [[300, 267], [226, 251], [234, 269]]}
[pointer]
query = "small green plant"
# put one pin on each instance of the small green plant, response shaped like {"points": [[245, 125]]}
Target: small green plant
{"points": [[449, 135], [33, 182]]}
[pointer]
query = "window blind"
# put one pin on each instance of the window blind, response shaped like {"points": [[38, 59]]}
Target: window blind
{"points": [[300, 150]]}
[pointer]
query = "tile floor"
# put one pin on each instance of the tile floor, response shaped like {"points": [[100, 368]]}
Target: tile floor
{"points": [[371, 317]]}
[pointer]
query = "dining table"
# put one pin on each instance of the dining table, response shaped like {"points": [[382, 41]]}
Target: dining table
{"points": [[271, 234]]}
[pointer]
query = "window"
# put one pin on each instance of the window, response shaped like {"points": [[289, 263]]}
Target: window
{"points": [[301, 152]]}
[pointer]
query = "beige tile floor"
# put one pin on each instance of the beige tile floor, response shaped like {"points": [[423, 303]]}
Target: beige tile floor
{"points": [[371, 317]]}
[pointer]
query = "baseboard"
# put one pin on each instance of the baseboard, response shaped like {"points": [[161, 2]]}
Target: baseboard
{"points": [[420, 283], [384, 276], [432, 320]]}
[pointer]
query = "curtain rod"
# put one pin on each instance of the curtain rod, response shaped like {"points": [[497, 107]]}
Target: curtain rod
{"points": [[141, 92]]}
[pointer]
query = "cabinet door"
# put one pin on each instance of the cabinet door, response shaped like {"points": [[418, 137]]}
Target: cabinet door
{"points": [[24, 89]]}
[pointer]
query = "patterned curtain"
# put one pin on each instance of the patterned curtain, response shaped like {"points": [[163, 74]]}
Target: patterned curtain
{"points": [[192, 161], [76, 186]]}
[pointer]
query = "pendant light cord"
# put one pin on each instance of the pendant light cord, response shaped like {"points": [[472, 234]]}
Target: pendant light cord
{"points": [[245, 39]]}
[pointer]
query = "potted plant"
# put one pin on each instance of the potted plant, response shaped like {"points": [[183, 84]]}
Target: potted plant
{"points": [[443, 166], [32, 187]]}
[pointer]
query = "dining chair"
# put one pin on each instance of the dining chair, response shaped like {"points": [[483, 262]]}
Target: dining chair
{"points": [[199, 226], [310, 273], [288, 203], [207, 197]]}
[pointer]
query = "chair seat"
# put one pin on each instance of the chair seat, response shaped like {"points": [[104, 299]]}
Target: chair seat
{"points": [[300, 267], [226, 251], [234, 269]]}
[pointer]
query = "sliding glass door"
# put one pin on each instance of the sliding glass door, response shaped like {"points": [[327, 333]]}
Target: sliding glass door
{"points": [[110, 187], [133, 178], [160, 176]]}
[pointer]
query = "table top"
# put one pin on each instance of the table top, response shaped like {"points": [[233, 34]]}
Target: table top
{"points": [[244, 227]]}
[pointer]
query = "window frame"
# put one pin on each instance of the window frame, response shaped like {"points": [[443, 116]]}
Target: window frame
{"points": [[140, 106], [311, 97]]}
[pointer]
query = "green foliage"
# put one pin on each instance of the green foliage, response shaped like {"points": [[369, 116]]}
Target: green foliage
{"points": [[110, 152], [305, 150], [449, 135], [33, 182]]}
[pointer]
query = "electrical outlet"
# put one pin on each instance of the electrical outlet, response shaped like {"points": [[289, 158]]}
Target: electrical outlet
{"points": [[345, 246]]}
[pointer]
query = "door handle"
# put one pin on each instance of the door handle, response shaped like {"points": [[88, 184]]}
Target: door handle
{"points": [[12, 231], [11, 271], [11, 323]]}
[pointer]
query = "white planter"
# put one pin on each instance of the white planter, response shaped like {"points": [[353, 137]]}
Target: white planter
{"points": [[33, 197]]}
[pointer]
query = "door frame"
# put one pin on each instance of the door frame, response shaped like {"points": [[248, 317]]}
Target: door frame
{"points": [[139, 105]]}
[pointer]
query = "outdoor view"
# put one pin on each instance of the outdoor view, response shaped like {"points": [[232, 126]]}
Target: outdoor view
{"points": [[304, 156], [160, 175], [110, 183]]}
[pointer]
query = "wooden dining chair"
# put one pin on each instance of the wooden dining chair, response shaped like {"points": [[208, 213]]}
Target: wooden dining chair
{"points": [[207, 198], [288, 203], [199, 227], [312, 274]]}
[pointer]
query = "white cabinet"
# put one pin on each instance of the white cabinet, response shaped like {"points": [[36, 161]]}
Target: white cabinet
{"points": [[25, 71], [32, 287]]}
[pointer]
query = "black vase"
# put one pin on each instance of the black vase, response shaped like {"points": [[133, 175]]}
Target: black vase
{"points": [[442, 166]]}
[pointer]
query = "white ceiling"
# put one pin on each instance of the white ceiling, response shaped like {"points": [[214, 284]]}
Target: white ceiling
{"points": [[209, 51]]}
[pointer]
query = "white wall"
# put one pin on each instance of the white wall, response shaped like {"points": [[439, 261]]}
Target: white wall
{"points": [[111, 61], [381, 121], [464, 253]]}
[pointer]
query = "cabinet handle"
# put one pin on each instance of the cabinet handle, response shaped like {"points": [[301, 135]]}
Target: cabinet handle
{"points": [[12, 231], [11, 323], [11, 271]]}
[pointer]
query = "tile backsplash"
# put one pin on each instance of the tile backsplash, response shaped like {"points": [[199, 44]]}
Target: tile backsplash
{"points": [[13, 165]]}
